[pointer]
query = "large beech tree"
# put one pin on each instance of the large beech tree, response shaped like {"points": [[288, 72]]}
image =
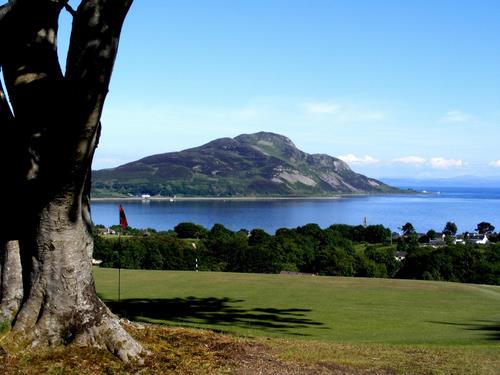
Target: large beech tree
{"points": [[49, 129]]}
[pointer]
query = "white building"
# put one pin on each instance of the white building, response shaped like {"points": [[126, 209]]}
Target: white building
{"points": [[478, 239]]}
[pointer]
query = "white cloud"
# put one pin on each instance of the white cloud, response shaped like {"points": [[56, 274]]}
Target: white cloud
{"points": [[495, 163], [342, 113], [353, 159], [434, 163], [321, 107], [442, 163], [414, 160], [455, 116]]}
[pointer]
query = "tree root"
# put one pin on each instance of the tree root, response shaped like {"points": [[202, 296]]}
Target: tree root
{"points": [[99, 329], [111, 335]]}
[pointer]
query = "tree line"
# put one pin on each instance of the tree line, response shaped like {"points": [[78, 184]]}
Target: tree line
{"points": [[339, 250]]}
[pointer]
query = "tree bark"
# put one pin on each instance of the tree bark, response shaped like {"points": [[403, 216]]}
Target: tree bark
{"points": [[11, 281], [62, 306], [53, 131]]}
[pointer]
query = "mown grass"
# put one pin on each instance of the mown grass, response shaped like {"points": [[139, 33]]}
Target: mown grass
{"points": [[327, 324], [341, 310], [287, 325]]}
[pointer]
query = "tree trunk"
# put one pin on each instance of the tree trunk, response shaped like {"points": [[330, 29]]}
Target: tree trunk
{"points": [[11, 293], [51, 133], [62, 306]]}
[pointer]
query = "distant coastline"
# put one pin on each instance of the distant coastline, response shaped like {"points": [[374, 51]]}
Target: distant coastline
{"points": [[248, 198], [252, 198]]}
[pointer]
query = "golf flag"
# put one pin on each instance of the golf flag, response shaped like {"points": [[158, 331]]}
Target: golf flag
{"points": [[123, 218]]}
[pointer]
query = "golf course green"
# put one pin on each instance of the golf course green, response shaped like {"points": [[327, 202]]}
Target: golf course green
{"points": [[330, 309]]}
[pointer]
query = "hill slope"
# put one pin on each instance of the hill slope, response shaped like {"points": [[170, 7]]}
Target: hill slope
{"points": [[260, 164]]}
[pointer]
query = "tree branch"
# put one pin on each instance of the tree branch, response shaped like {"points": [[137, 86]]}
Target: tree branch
{"points": [[57, 115], [69, 9], [4, 9], [35, 84], [94, 44], [29, 54], [6, 115], [93, 47]]}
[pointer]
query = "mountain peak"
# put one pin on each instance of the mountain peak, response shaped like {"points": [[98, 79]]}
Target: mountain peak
{"points": [[259, 164], [266, 137]]}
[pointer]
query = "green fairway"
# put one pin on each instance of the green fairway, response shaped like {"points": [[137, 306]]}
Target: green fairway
{"points": [[350, 310]]}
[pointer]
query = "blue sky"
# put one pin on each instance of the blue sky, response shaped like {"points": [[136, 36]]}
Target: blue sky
{"points": [[395, 88]]}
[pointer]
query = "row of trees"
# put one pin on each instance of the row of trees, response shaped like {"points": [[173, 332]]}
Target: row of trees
{"points": [[460, 263], [409, 234], [450, 229], [339, 250], [307, 249]]}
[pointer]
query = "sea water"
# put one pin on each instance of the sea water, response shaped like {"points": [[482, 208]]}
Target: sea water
{"points": [[466, 207]]}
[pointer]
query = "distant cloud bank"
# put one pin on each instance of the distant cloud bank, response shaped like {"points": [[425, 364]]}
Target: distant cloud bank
{"points": [[413, 160], [442, 163], [353, 159], [435, 162]]}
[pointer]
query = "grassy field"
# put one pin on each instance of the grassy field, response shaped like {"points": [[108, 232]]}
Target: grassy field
{"points": [[286, 325], [327, 309]]}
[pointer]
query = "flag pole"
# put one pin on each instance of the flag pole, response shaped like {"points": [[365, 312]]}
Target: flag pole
{"points": [[119, 263], [123, 225]]}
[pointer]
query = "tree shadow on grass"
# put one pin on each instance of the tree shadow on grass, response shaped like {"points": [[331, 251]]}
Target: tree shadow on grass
{"points": [[221, 312], [491, 328]]}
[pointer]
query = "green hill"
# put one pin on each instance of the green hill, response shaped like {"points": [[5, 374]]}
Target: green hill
{"points": [[261, 164]]}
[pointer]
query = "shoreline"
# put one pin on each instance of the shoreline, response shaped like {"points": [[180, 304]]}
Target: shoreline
{"points": [[171, 199], [242, 198]]}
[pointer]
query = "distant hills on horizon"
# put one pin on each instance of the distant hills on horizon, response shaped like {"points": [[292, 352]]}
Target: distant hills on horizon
{"points": [[458, 181], [260, 164]]}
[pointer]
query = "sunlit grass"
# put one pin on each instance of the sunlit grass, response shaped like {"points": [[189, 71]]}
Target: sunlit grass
{"points": [[297, 324], [342, 310]]}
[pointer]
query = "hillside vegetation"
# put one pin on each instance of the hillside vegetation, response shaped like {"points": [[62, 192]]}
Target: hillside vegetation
{"points": [[261, 164], [339, 250]]}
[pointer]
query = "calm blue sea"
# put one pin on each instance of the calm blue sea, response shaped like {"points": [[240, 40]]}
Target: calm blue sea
{"points": [[464, 206]]}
